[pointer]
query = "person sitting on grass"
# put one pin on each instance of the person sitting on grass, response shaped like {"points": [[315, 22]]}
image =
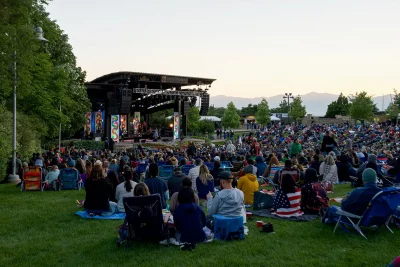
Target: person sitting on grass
{"points": [[112, 178], [98, 193], [229, 201], [357, 201], [141, 189], [248, 184], [175, 182], [189, 219], [157, 185], [287, 198], [174, 203], [124, 190], [313, 195], [204, 183]]}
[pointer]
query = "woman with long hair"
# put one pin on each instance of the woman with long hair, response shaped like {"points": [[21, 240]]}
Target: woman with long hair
{"points": [[204, 182], [313, 195], [273, 162], [98, 192], [328, 169], [80, 166], [189, 219], [141, 189], [287, 198], [112, 178], [124, 189]]}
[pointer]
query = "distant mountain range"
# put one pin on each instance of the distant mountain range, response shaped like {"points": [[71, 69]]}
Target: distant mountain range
{"points": [[316, 103]]}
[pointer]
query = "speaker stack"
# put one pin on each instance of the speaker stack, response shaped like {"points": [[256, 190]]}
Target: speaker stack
{"points": [[205, 104], [126, 101]]}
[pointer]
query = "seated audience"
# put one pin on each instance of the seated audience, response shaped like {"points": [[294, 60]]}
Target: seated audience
{"points": [[175, 182], [204, 182], [98, 193], [248, 184], [157, 185], [124, 190], [173, 203], [189, 219], [260, 165], [287, 198], [229, 201], [141, 189], [358, 200], [313, 195]]}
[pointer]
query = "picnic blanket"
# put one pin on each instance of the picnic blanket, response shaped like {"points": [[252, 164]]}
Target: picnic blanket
{"points": [[85, 215], [267, 213]]}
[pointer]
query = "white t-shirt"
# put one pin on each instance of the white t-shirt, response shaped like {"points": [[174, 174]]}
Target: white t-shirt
{"points": [[120, 193]]}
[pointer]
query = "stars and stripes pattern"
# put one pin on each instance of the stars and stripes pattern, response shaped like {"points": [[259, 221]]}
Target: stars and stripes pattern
{"points": [[287, 205]]}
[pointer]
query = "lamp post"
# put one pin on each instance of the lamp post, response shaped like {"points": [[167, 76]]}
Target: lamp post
{"points": [[14, 176], [287, 97]]}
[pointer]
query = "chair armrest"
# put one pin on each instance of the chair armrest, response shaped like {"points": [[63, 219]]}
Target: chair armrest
{"points": [[348, 214]]}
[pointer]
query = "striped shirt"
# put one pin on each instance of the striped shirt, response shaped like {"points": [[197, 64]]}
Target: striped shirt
{"points": [[287, 205]]}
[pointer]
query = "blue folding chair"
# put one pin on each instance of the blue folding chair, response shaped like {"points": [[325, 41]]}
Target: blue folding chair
{"points": [[209, 165], [141, 168], [70, 179], [187, 168], [226, 165], [161, 163], [166, 171], [379, 212]]}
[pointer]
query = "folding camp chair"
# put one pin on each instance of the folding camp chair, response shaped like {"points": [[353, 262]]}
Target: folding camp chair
{"points": [[209, 165], [141, 168], [165, 172], [379, 212], [226, 165], [32, 180], [186, 169], [145, 219], [70, 179]]}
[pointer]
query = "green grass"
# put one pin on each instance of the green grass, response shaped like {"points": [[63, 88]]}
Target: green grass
{"points": [[40, 228]]}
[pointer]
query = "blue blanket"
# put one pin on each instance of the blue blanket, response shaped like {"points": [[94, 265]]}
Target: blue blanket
{"points": [[85, 215]]}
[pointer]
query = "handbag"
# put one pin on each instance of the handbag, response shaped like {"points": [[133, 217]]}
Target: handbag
{"points": [[262, 201]]}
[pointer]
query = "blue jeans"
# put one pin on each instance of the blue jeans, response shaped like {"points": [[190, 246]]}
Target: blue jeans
{"points": [[113, 209], [331, 216]]}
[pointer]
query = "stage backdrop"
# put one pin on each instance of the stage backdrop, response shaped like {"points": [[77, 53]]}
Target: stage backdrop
{"points": [[176, 125], [115, 128]]}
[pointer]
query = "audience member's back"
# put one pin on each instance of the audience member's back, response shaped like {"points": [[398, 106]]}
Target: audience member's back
{"points": [[157, 185]]}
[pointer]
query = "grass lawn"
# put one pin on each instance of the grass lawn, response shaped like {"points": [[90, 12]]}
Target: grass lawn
{"points": [[40, 228]]}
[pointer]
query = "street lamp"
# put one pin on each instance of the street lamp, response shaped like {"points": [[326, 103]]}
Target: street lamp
{"points": [[287, 97], [14, 176]]}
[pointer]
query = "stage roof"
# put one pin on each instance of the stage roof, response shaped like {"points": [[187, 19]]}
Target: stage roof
{"points": [[151, 80]]}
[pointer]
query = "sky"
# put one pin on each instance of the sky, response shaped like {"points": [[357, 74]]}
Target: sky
{"points": [[253, 48]]}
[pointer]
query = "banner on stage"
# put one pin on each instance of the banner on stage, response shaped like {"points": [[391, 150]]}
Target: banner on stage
{"points": [[115, 128], [176, 125], [88, 122]]}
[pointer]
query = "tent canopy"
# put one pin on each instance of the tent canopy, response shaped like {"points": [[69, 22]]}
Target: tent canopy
{"points": [[210, 118], [274, 118]]}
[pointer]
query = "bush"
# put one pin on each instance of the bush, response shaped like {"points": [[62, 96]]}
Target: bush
{"points": [[88, 144]]}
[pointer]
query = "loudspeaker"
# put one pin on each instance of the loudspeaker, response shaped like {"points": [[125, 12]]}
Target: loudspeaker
{"points": [[205, 104], [126, 101], [184, 108]]}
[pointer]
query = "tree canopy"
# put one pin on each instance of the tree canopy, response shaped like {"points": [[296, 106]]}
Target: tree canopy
{"points": [[249, 110], [193, 119], [218, 112], [231, 119], [282, 108], [339, 107], [263, 115], [297, 110], [362, 107], [47, 76]]}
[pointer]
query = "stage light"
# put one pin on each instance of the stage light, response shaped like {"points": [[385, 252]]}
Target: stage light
{"points": [[171, 125]]}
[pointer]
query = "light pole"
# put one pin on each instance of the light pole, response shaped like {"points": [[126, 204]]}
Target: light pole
{"points": [[14, 176], [287, 98]]}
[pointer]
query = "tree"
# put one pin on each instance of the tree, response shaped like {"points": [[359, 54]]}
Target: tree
{"points": [[231, 120], [47, 77], [249, 110], [193, 119], [263, 115], [339, 107], [218, 112], [393, 109], [297, 110], [283, 107], [362, 107], [159, 119], [206, 126]]}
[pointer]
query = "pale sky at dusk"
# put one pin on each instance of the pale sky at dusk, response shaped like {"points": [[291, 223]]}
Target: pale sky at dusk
{"points": [[253, 48]]}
